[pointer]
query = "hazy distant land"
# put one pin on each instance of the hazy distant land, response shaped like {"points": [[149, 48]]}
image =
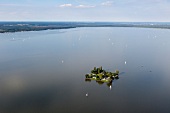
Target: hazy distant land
{"points": [[37, 26]]}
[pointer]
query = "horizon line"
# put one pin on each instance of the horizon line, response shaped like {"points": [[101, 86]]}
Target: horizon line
{"points": [[89, 21]]}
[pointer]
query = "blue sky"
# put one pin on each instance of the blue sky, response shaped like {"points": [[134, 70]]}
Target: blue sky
{"points": [[85, 10]]}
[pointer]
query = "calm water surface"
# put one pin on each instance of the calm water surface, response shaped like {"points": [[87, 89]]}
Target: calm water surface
{"points": [[43, 72]]}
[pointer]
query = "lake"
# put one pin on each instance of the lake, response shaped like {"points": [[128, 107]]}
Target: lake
{"points": [[44, 71]]}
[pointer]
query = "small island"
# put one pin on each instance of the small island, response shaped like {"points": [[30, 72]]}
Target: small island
{"points": [[102, 76]]}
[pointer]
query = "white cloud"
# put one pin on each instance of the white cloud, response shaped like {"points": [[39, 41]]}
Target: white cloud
{"points": [[85, 6], [66, 5], [107, 3]]}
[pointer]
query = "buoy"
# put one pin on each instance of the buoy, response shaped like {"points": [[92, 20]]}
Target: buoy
{"points": [[86, 94], [110, 87]]}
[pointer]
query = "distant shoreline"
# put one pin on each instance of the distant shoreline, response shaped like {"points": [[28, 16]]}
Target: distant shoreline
{"points": [[11, 27]]}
